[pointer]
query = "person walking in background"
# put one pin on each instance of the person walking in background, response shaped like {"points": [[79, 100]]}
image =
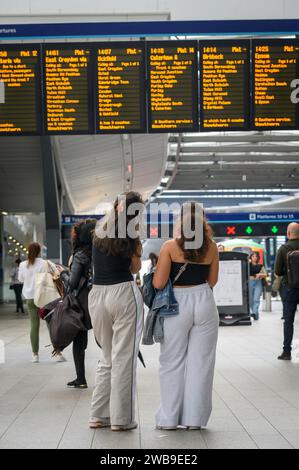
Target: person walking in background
{"points": [[257, 272], [27, 270], [77, 281], [187, 354], [116, 310], [287, 266], [17, 286]]}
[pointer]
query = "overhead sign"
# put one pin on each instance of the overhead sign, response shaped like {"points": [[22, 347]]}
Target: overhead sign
{"points": [[275, 66], [67, 89], [225, 85], [20, 89], [120, 87], [173, 91]]}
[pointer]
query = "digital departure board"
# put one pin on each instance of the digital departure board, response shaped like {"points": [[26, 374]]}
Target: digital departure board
{"points": [[20, 89], [120, 84], [275, 65], [172, 70], [67, 89], [224, 85]]}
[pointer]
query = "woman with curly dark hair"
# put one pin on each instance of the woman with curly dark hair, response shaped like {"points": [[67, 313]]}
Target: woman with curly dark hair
{"points": [[78, 282], [187, 354], [116, 310]]}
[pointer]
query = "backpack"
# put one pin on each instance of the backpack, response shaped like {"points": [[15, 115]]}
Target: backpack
{"points": [[293, 267]]}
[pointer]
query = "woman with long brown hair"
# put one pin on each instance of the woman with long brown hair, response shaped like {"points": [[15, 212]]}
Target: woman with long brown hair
{"points": [[187, 354], [116, 311], [27, 270]]}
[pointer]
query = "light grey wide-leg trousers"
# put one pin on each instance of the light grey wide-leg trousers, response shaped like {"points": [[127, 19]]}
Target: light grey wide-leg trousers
{"points": [[116, 313], [187, 359]]}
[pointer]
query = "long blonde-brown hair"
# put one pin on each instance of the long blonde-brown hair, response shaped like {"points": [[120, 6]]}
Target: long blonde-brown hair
{"points": [[196, 254], [33, 253]]}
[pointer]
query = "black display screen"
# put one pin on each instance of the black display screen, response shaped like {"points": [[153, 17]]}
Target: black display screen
{"points": [[224, 85], [20, 90], [275, 65], [67, 89], [120, 84], [172, 71]]}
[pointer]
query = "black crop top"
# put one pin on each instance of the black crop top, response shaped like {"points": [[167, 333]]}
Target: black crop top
{"points": [[108, 270], [193, 275]]}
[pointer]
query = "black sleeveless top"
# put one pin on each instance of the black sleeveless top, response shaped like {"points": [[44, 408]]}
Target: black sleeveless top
{"points": [[108, 270], [193, 275], [254, 269]]}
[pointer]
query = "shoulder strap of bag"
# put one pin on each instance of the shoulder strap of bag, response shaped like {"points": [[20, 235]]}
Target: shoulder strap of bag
{"points": [[181, 270]]}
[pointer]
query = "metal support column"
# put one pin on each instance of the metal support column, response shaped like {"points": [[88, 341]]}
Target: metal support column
{"points": [[51, 201]]}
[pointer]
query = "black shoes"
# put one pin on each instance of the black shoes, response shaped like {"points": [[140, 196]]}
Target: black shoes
{"points": [[76, 384], [285, 356]]}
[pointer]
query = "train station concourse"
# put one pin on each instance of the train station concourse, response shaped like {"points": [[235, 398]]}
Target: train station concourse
{"points": [[149, 227]]}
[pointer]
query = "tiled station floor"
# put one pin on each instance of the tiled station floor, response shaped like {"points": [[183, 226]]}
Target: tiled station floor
{"points": [[256, 397]]}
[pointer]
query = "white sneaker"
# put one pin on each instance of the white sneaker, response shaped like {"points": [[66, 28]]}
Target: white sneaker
{"points": [[125, 427], [35, 358], [59, 358], [166, 428]]}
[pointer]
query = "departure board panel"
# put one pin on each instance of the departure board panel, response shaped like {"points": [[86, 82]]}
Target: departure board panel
{"points": [[275, 66], [20, 89], [172, 70], [67, 89], [120, 86], [224, 85]]}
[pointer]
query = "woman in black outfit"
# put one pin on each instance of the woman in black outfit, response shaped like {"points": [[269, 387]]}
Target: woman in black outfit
{"points": [[78, 282]]}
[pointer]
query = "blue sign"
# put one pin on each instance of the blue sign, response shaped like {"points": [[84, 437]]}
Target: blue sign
{"points": [[254, 217], [149, 28]]}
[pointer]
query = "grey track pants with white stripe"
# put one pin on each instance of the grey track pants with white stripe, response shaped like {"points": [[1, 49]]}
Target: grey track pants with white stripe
{"points": [[116, 313]]}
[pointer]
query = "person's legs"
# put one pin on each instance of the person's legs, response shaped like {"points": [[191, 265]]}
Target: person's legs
{"points": [[79, 346], [257, 292], [200, 358], [34, 325], [251, 292], [19, 300], [102, 328], [173, 351], [126, 306]]}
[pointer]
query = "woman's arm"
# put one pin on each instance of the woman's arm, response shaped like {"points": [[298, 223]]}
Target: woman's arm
{"points": [[136, 260], [214, 268], [163, 268], [72, 279]]}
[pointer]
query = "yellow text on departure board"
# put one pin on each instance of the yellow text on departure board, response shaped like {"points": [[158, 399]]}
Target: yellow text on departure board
{"points": [[66, 74], [223, 74], [274, 69], [17, 72], [119, 88], [171, 84]]}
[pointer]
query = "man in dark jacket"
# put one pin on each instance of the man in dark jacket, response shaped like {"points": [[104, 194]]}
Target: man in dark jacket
{"points": [[289, 295]]}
